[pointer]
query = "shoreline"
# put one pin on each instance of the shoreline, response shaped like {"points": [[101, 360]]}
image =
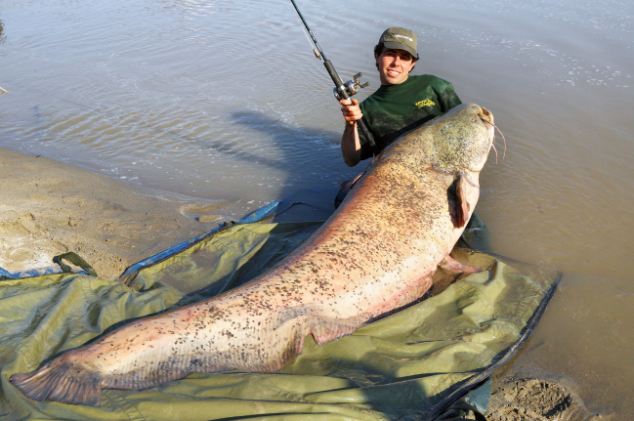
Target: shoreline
{"points": [[49, 208]]}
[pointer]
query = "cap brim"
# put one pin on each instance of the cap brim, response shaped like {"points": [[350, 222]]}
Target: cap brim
{"points": [[398, 46]]}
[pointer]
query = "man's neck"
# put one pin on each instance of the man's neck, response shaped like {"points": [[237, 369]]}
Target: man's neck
{"points": [[394, 84]]}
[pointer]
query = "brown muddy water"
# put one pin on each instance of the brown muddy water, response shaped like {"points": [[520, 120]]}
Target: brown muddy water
{"points": [[222, 100]]}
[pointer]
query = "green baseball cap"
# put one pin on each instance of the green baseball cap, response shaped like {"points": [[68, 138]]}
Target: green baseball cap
{"points": [[397, 38]]}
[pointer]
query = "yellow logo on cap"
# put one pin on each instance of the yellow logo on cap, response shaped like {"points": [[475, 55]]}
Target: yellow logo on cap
{"points": [[427, 102]]}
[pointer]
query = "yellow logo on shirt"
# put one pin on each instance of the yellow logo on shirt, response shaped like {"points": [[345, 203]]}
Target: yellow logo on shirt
{"points": [[427, 102]]}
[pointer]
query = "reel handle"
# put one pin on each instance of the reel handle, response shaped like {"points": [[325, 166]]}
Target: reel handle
{"points": [[350, 88]]}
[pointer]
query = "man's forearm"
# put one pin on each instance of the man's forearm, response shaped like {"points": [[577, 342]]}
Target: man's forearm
{"points": [[351, 145]]}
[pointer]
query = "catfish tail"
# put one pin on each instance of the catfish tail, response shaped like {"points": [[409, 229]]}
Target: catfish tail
{"points": [[62, 382]]}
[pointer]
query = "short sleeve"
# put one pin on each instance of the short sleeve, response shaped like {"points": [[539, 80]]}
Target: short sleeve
{"points": [[447, 96]]}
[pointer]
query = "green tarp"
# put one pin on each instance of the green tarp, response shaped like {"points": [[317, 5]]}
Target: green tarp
{"points": [[408, 365]]}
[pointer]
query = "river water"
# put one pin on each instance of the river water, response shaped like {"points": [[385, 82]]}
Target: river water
{"points": [[223, 100]]}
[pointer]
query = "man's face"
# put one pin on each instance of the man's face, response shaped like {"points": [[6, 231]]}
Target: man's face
{"points": [[394, 66]]}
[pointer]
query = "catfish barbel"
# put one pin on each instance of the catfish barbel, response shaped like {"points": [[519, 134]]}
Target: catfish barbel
{"points": [[375, 254]]}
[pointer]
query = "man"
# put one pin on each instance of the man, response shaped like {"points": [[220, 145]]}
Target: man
{"points": [[401, 103]]}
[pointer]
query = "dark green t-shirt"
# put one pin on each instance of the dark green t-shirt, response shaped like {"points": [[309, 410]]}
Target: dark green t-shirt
{"points": [[394, 109]]}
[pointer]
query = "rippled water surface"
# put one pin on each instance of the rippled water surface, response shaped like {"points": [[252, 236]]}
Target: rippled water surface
{"points": [[223, 100]]}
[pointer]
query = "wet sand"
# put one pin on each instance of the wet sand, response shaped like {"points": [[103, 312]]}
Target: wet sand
{"points": [[48, 208], [538, 400]]}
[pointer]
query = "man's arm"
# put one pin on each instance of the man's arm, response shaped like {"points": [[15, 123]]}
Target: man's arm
{"points": [[350, 141]]}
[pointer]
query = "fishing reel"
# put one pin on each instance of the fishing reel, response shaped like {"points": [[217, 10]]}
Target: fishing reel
{"points": [[349, 88]]}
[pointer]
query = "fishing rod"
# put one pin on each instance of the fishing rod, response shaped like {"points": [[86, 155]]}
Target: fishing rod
{"points": [[342, 90]]}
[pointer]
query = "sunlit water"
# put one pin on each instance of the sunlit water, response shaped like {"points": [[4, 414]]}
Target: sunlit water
{"points": [[223, 100]]}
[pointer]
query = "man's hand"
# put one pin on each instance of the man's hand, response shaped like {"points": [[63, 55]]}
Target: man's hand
{"points": [[350, 142], [351, 110]]}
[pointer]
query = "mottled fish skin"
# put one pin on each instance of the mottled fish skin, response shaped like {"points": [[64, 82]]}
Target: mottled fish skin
{"points": [[376, 253]]}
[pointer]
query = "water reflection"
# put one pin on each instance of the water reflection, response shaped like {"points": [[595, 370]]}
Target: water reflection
{"points": [[291, 142]]}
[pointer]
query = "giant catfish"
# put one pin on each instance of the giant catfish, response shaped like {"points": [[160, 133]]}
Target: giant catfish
{"points": [[375, 254]]}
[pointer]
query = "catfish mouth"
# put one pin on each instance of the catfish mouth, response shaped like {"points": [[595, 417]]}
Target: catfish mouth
{"points": [[485, 140], [487, 118]]}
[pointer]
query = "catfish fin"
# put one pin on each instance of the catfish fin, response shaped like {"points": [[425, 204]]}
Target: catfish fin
{"points": [[65, 382], [458, 205], [322, 328], [449, 270], [453, 266], [325, 329]]}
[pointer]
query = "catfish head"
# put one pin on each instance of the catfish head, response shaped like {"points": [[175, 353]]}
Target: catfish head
{"points": [[461, 139], [458, 142], [460, 145], [455, 144]]}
